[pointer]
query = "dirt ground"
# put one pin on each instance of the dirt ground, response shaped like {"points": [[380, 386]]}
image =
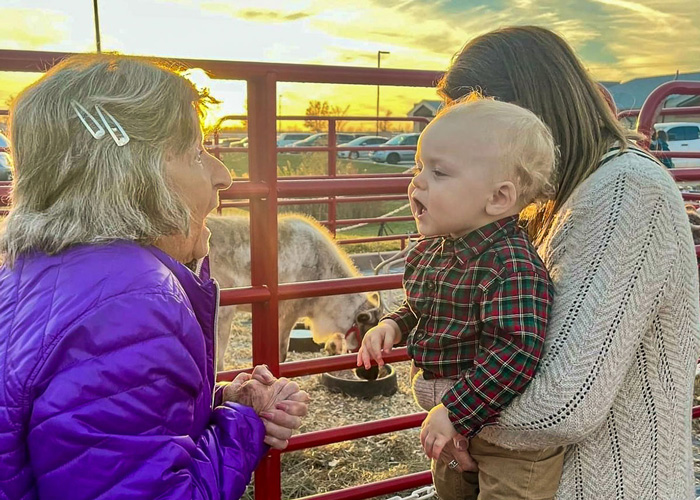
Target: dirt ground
{"points": [[340, 465], [332, 467]]}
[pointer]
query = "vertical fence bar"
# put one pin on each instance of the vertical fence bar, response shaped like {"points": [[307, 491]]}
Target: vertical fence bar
{"points": [[263, 251], [332, 172]]}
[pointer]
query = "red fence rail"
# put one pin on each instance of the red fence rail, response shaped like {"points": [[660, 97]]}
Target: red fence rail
{"points": [[332, 149], [263, 189]]}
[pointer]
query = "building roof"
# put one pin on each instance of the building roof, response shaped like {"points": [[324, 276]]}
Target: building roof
{"points": [[432, 105], [632, 94], [627, 95]]}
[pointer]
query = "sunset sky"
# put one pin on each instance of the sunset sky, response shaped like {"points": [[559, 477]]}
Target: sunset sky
{"points": [[617, 39]]}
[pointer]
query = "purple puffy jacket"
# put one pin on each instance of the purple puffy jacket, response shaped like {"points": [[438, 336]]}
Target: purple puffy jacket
{"points": [[107, 356]]}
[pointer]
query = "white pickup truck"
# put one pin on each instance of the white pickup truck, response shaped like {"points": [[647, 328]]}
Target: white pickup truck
{"points": [[682, 136]]}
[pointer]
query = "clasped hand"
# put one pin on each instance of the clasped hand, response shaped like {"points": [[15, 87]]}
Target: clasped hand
{"points": [[279, 403]]}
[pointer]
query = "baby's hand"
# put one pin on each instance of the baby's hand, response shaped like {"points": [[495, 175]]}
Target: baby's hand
{"points": [[378, 340], [436, 432]]}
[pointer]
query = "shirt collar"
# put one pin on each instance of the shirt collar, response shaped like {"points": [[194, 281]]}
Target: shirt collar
{"points": [[479, 240]]}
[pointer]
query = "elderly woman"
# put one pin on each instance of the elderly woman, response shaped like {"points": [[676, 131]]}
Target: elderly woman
{"points": [[107, 313], [615, 385]]}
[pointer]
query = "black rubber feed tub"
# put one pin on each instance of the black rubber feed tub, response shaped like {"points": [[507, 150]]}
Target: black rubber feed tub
{"points": [[347, 382], [301, 340]]}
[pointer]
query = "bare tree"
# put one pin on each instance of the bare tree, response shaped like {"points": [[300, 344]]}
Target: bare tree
{"points": [[386, 125], [323, 108]]}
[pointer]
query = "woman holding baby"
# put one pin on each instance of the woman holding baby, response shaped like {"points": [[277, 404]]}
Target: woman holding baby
{"points": [[614, 382]]}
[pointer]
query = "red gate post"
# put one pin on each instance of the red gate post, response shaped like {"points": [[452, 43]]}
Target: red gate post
{"points": [[653, 102], [262, 152]]}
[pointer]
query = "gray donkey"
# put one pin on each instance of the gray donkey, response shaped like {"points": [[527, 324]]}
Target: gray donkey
{"points": [[307, 252]]}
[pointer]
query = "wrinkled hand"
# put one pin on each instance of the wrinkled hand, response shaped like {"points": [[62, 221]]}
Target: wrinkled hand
{"points": [[436, 432], [456, 449], [261, 373], [284, 418], [278, 402]]}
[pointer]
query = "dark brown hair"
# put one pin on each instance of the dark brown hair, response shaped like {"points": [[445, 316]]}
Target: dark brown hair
{"points": [[536, 69]]}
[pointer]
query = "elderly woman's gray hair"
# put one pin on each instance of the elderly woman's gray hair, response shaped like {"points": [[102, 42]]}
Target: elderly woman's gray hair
{"points": [[71, 188]]}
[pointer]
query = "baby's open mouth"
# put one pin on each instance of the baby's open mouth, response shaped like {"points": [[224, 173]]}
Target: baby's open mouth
{"points": [[420, 208]]}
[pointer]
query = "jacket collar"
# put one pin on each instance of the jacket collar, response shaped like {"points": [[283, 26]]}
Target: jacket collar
{"points": [[203, 295], [478, 241], [200, 288]]}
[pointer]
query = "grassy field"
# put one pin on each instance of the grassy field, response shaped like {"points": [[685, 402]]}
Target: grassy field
{"points": [[317, 164], [311, 164]]}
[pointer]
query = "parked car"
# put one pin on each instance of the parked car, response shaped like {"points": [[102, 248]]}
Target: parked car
{"points": [[239, 143], [394, 156], [5, 160], [368, 140], [5, 167], [682, 136], [322, 140], [289, 138]]}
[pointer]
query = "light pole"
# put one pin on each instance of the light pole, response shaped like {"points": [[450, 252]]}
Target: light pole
{"points": [[379, 65], [279, 113], [97, 26]]}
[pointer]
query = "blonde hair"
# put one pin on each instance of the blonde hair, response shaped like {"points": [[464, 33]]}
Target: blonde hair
{"points": [[536, 69], [525, 146], [70, 188]]}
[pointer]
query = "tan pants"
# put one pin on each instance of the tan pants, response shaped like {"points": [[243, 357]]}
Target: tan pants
{"points": [[503, 474]]}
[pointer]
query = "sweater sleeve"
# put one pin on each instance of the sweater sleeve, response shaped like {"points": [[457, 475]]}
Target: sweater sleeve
{"points": [[122, 410], [609, 263]]}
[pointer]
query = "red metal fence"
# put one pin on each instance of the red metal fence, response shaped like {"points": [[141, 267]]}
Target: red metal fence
{"points": [[264, 189], [331, 201]]}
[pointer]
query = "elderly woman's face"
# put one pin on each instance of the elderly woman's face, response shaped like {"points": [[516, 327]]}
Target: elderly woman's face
{"points": [[197, 176]]}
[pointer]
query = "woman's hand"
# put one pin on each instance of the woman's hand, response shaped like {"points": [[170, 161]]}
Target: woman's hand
{"points": [[279, 403], [281, 422], [456, 449], [261, 373]]}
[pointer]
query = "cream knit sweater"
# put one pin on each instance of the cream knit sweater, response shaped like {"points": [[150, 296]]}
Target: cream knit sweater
{"points": [[616, 379]]}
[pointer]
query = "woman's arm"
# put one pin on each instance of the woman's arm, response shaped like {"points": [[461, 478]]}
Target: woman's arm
{"points": [[609, 267], [115, 410]]}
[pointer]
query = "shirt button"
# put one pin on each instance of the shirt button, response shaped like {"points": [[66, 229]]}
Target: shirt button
{"points": [[431, 285]]}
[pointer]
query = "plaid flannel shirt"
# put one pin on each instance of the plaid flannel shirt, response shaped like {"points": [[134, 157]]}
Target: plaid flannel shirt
{"points": [[479, 305]]}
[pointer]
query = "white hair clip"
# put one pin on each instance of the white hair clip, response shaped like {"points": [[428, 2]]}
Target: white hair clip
{"points": [[83, 114], [120, 141], [96, 129]]}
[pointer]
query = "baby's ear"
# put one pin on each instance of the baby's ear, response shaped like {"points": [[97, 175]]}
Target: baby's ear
{"points": [[503, 199]]}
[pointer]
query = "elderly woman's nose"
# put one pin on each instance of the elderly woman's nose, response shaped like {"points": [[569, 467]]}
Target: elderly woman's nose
{"points": [[221, 177]]}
